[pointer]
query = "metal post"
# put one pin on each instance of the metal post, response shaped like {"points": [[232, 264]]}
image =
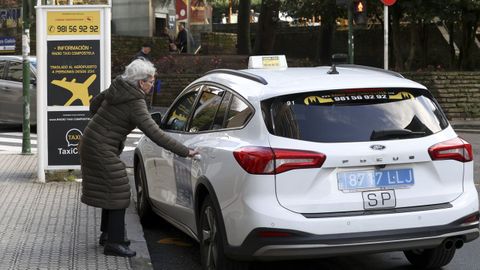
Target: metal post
{"points": [[350, 32], [188, 28], [26, 146], [385, 37], [41, 100]]}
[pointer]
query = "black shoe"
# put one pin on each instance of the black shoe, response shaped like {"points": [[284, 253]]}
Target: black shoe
{"points": [[115, 249], [104, 237]]}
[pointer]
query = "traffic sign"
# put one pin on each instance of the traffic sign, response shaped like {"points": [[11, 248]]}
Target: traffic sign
{"points": [[388, 2]]}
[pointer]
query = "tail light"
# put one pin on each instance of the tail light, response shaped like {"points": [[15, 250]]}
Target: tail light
{"points": [[265, 160], [456, 149]]}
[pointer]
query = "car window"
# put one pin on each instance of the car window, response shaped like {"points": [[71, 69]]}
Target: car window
{"points": [[219, 121], [238, 113], [180, 112], [206, 108], [15, 71], [354, 115], [2, 68]]}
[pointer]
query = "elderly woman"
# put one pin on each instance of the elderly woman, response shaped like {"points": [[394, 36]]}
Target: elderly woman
{"points": [[116, 112]]}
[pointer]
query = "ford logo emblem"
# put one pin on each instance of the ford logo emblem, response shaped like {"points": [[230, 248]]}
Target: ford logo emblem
{"points": [[377, 147]]}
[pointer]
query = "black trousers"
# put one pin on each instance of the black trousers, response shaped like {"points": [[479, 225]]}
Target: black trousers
{"points": [[113, 223]]}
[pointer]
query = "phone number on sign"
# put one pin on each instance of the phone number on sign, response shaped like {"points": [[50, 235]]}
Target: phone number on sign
{"points": [[77, 29]]}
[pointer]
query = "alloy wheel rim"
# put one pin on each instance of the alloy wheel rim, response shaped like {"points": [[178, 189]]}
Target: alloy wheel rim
{"points": [[209, 237]]}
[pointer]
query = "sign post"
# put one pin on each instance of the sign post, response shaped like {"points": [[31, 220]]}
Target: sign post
{"points": [[386, 4], [73, 54], [26, 144], [351, 44]]}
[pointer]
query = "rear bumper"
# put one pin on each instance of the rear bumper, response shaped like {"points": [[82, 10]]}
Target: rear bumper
{"points": [[300, 245]]}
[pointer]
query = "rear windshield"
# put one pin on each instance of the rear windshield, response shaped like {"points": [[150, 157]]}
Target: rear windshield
{"points": [[354, 115]]}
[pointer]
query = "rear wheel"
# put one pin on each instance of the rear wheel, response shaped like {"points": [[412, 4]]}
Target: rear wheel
{"points": [[431, 258], [143, 206], [211, 242]]}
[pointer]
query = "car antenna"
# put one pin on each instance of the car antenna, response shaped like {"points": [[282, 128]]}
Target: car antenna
{"points": [[338, 58], [333, 70]]}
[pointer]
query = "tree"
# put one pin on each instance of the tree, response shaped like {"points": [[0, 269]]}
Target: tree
{"points": [[267, 24], [461, 18], [418, 21], [469, 12], [243, 27], [328, 11]]}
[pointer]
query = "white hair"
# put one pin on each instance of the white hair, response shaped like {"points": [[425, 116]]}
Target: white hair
{"points": [[139, 69]]}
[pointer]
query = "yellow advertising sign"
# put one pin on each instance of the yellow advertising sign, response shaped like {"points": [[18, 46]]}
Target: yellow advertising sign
{"points": [[73, 23], [271, 61]]}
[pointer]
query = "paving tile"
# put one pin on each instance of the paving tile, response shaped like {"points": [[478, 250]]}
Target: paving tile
{"points": [[44, 226]]}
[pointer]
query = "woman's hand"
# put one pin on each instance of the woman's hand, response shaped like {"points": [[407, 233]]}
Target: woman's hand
{"points": [[192, 152]]}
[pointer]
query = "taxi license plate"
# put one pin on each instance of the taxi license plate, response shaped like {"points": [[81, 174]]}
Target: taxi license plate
{"points": [[375, 179]]}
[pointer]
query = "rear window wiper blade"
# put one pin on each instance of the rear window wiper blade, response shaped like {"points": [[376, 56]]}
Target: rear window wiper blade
{"points": [[389, 134]]}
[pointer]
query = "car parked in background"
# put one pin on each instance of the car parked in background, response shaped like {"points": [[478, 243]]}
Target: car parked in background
{"points": [[310, 162], [11, 90]]}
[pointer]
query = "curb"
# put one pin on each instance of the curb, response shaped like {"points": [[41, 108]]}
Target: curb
{"points": [[467, 130], [135, 232]]}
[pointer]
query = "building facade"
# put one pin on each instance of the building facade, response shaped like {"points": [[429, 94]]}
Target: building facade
{"points": [[142, 17]]}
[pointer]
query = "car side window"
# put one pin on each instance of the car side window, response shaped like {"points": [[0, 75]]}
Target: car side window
{"points": [[180, 112], [238, 113], [206, 108], [15, 71], [2, 68], [218, 123]]}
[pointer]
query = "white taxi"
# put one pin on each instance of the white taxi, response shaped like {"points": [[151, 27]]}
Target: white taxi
{"points": [[310, 162]]}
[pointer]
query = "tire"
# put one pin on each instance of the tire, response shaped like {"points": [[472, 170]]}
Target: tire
{"points": [[211, 241], [144, 209], [430, 258]]}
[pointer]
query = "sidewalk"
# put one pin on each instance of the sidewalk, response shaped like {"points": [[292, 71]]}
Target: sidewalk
{"points": [[45, 226]]}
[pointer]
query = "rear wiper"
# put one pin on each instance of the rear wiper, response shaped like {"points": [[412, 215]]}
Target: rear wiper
{"points": [[394, 134]]}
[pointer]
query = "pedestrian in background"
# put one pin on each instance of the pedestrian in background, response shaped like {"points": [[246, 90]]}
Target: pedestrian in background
{"points": [[144, 52], [171, 43], [182, 38], [115, 113]]}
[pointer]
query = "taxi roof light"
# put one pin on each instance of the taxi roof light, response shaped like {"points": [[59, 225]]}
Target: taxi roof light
{"points": [[267, 62]]}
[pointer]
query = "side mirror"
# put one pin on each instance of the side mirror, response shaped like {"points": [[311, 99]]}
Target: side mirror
{"points": [[157, 117], [33, 81]]}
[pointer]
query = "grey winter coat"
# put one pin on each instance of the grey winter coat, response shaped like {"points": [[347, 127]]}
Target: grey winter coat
{"points": [[116, 112]]}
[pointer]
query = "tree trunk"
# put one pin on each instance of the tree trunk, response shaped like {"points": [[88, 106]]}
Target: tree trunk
{"points": [[397, 40], [243, 27], [324, 44], [451, 43], [267, 22], [413, 45], [469, 26], [423, 37]]}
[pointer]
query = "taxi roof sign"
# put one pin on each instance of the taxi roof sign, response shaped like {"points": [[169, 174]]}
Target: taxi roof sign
{"points": [[267, 62]]}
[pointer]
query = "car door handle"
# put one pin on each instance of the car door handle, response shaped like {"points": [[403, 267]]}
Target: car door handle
{"points": [[197, 157]]}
